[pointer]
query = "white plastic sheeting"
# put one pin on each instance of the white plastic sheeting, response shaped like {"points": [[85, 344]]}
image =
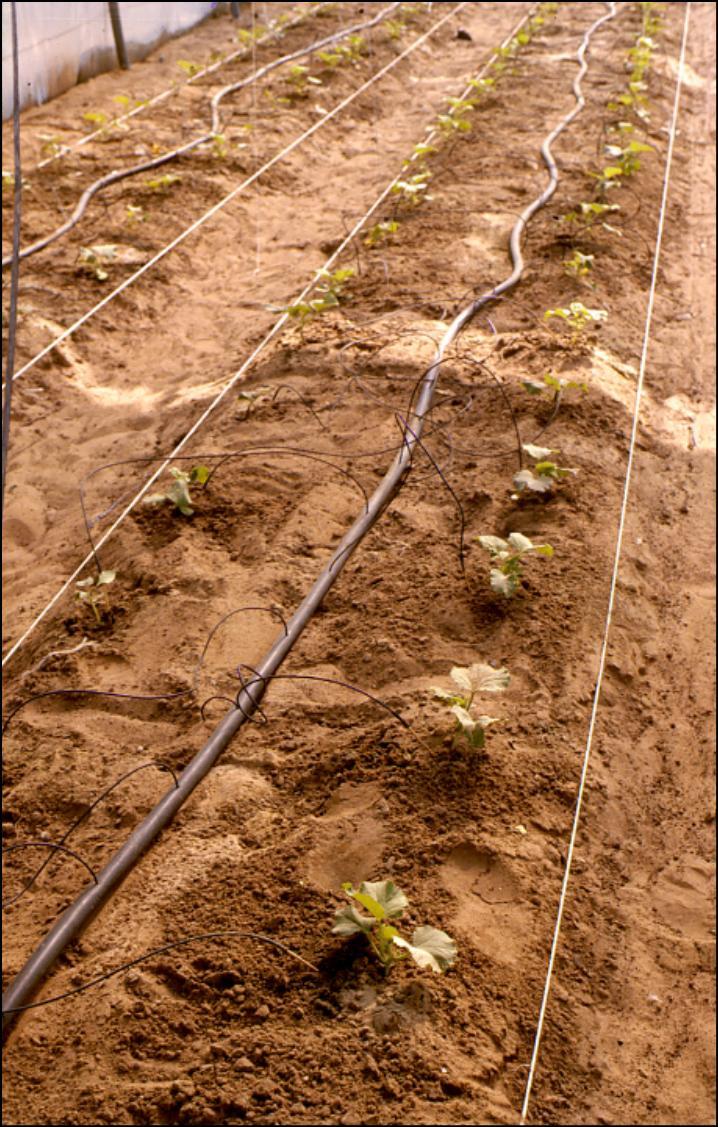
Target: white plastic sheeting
{"points": [[61, 44]]}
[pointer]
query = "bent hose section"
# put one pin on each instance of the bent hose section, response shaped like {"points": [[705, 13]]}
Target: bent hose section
{"points": [[165, 158], [74, 919]]}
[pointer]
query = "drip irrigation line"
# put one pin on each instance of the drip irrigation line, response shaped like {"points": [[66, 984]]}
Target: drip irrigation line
{"points": [[53, 846], [175, 154], [160, 951], [276, 159], [74, 919], [614, 574], [158, 763], [264, 681], [14, 257], [274, 31]]}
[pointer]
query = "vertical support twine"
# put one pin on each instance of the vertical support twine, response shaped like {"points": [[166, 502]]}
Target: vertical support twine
{"points": [[118, 34]]}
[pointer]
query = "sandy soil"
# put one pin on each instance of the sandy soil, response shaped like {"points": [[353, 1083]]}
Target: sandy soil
{"points": [[331, 788]]}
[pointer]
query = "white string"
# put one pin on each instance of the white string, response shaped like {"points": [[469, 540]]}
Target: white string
{"points": [[273, 30], [614, 578], [279, 324], [235, 192]]}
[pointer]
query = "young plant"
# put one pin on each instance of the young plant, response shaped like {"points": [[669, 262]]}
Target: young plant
{"points": [[51, 145], [469, 680], [190, 68], [627, 157], [545, 473], [577, 317], [95, 118], [429, 948], [579, 264], [589, 213], [557, 384], [414, 189], [380, 232], [134, 214], [300, 79], [328, 294], [93, 260], [507, 557], [91, 591], [456, 120], [162, 183], [178, 492]]}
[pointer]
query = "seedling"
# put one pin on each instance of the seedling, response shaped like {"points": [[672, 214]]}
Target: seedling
{"points": [[327, 298], [51, 145], [190, 68], [380, 232], [483, 85], [413, 190], [429, 947], [627, 157], [507, 557], [220, 147], [577, 317], [579, 264], [469, 680], [134, 214], [178, 492], [550, 382], [545, 473], [590, 213], [95, 118], [93, 260], [394, 28], [456, 120], [162, 183], [300, 79], [122, 100], [91, 591]]}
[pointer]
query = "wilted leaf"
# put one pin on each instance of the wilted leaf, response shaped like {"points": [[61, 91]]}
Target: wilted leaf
{"points": [[520, 542], [538, 452], [347, 921], [430, 947], [465, 719], [482, 678], [504, 584], [493, 543], [106, 577], [526, 479]]}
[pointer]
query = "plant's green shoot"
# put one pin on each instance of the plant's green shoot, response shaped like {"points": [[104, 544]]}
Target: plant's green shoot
{"points": [[577, 316], [507, 557], [430, 948], [579, 264], [483, 85], [122, 100], [414, 189], [469, 680], [161, 183], [300, 79], [93, 260], [394, 28], [134, 214], [95, 118], [178, 492], [51, 145], [557, 384], [589, 213], [220, 146], [330, 58], [380, 232], [190, 68], [328, 294], [90, 591], [545, 473]]}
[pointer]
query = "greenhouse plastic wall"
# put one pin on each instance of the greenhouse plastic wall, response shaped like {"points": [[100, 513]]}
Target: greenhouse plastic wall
{"points": [[62, 44]]}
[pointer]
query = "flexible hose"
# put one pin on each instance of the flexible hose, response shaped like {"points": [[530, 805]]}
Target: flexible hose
{"points": [[71, 923], [174, 154]]}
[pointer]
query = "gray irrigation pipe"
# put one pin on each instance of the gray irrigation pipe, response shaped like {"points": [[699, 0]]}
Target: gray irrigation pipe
{"points": [[146, 166], [15, 272], [275, 28], [263, 343], [91, 900], [614, 580], [231, 195]]}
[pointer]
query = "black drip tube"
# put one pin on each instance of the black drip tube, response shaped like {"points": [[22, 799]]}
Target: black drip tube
{"points": [[74, 919]]}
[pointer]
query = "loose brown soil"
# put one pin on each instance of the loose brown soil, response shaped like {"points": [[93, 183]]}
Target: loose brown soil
{"points": [[329, 787]]}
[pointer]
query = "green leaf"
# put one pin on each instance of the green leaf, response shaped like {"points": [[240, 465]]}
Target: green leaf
{"points": [[199, 474], [480, 678], [370, 904], [430, 948], [464, 718], [545, 550]]}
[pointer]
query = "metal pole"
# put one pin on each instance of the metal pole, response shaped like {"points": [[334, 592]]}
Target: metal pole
{"points": [[120, 46]]}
